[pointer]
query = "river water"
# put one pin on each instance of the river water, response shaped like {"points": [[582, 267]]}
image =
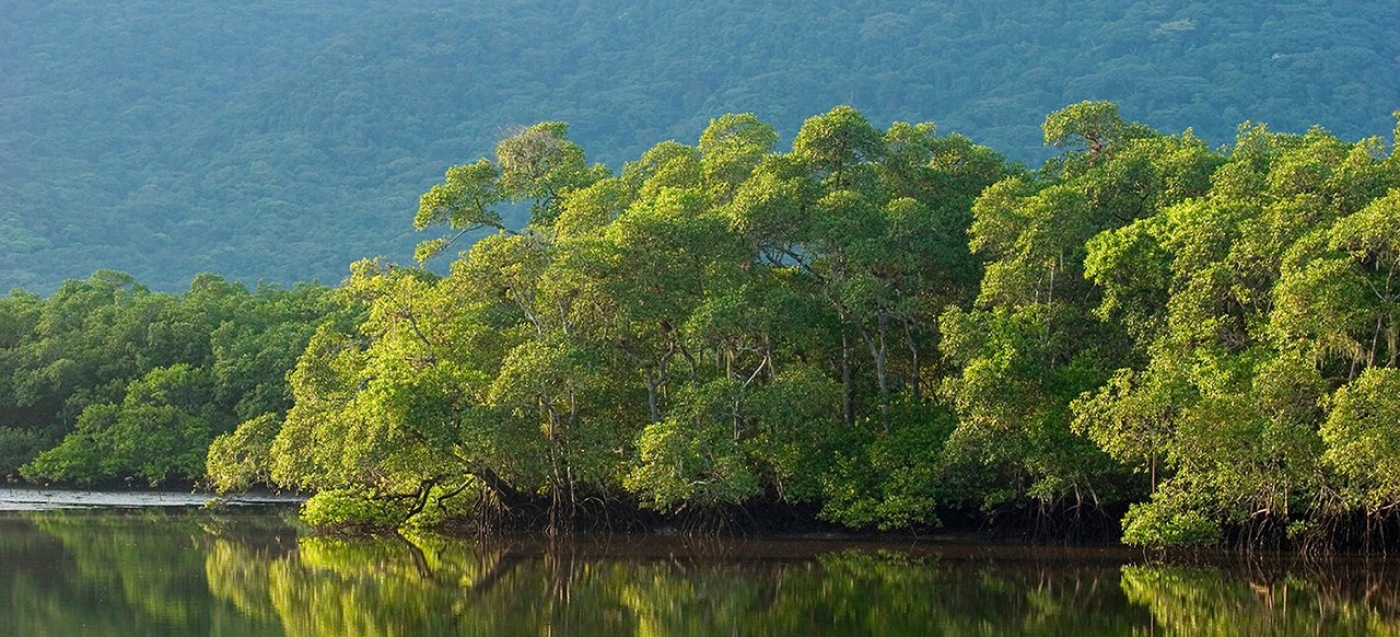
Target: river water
{"points": [[116, 564]]}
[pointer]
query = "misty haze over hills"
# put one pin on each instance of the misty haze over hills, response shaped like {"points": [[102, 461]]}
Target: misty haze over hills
{"points": [[279, 141]]}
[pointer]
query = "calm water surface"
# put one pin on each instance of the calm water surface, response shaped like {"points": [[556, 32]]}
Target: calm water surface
{"points": [[172, 569]]}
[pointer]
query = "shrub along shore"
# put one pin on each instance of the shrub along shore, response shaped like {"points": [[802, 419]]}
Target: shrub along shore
{"points": [[878, 329]]}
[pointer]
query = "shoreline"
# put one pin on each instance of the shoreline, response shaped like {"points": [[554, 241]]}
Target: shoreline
{"points": [[51, 498]]}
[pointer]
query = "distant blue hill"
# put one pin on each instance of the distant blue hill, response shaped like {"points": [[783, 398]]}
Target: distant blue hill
{"points": [[279, 141]]}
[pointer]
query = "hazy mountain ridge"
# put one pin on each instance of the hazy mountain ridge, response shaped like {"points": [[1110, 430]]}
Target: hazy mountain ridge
{"points": [[279, 141]]}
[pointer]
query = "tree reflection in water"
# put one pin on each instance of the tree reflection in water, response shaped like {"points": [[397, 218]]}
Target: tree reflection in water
{"points": [[117, 573], [241, 573]]}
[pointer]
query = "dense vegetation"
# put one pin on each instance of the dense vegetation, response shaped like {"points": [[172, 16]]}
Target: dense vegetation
{"points": [[279, 140], [878, 327], [882, 324], [107, 382]]}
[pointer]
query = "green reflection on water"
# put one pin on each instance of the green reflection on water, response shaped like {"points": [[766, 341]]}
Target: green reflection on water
{"points": [[426, 585], [1347, 598], [245, 573], [112, 573]]}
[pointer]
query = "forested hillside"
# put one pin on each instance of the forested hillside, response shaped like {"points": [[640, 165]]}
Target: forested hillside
{"points": [[280, 141]]}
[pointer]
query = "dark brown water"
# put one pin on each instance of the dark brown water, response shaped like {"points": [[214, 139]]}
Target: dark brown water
{"points": [[181, 570]]}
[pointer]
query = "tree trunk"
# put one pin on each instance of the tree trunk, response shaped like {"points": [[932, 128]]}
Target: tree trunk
{"points": [[848, 406], [915, 377]]}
